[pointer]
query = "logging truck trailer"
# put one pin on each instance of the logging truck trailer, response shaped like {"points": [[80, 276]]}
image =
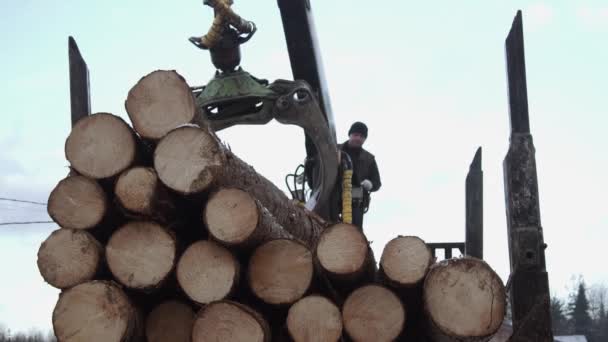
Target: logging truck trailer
{"points": [[234, 97]]}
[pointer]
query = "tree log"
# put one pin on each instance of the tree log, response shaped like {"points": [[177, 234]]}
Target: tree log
{"points": [[77, 203], [233, 217], [373, 313], [405, 261], [191, 159], [231, 322], [170, 321], [207, 272], [280, 271], [101, 146], [314, 319], [139, 192], [344, 255], [69, 257], [141, 255], [160, 102], [464, 300], [96, 311]]}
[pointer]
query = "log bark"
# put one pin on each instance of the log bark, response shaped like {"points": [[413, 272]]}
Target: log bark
{"points": [[373, 313], [230, 321], [77, 203], [141, 194], [160, 102], [464, 300], [314, 319], [170, 321], [96, 311], [69, 257], [101, 146], [344, 256], [191, 160], [141, 255], [405, 262], [235, 218], [280, 271], [207, 272]]}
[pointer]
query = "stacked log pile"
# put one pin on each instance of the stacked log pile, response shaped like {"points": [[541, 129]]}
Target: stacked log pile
{"points": [[166, 235]]}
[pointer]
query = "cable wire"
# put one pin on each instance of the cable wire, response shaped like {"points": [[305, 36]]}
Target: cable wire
{"points": [[20, 201], [23, 222]]}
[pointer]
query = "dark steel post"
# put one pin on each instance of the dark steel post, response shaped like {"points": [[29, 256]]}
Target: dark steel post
{"points": [[474, 209], [79, 83], [530, 301]]}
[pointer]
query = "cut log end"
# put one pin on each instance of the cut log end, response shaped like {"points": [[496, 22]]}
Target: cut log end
{"points": [[231, 216], [314, 319], [405, 260], [69, 257], [373, 313], [170, 321], [77, 203], [141, 254], [160, 102], [342, 249], [464, 298], [229, 321], [185, 157], [94, 311], [136, 189], [207, 272], [280, 271], [100, 146]]}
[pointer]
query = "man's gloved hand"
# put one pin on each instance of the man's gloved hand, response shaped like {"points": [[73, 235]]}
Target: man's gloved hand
{"points": [[367, 185]]}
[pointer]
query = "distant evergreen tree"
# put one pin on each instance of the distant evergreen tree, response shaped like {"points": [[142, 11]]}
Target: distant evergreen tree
{"points": [[559, 321], [579, 312]]}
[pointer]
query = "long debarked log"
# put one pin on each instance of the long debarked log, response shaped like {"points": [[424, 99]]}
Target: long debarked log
{"points": [[101, 146], [207, 272], [141, 194], [464, 300], [69, 257], [373, 313], [230, 321], [170, 321], [96, 311], [160, 102], [314, 319], [345, 257], [280, 271], [235, 218], [77, 203], [141, 255], [405, 262], [191, 159]]}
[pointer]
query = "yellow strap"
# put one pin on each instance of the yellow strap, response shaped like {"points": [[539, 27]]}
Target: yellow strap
{"points": [[347, 196]]}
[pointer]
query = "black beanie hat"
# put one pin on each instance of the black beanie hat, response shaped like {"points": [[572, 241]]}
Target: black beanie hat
{"points": [[358, 127]]}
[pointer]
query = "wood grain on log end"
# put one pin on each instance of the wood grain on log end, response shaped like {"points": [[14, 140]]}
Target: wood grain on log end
{"points": [[373, 313], [136, 189], [231, 216], [464, 298], [160, 102], [406, 260], [280, 271], [314, 319], [170, 321], [207, 272], [96, 312], [77, 203], [101, 146], [230, 322], [342, 249], [69, 257], [141, 254], [185, 157]]}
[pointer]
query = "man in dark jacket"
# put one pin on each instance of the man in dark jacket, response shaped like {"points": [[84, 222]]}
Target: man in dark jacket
{"points": [[366, 177]]}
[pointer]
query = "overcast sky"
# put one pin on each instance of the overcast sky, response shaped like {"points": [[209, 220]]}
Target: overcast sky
{"points": [[428, 78]]}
